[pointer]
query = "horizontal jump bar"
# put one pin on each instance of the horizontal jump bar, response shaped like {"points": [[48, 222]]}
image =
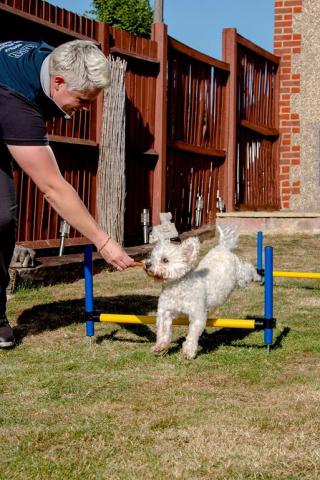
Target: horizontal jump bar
{"points": [[150, 319], [297, 274]]}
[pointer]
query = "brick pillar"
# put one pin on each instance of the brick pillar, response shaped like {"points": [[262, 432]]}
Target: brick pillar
{"points": [[287, 43]]}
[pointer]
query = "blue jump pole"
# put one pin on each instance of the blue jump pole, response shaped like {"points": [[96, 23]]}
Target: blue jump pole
{"points": [[88, 282], [268, 296], [259, 252]]}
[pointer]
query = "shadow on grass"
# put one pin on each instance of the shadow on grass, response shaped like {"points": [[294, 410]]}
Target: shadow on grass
{"points": [[143, 331], [295, 285], [51, 316], [226, 336], [230, 337], [279, 339], [211, 341]]}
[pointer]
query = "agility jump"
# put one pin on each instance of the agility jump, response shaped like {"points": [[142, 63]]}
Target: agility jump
{"points": [[266, 323], [279, 273]]}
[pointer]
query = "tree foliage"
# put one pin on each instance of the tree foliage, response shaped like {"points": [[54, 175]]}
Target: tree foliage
{"points": [[133, 16]]}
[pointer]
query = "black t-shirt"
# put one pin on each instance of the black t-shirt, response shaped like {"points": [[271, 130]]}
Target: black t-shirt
{"points": [[24, 106]]}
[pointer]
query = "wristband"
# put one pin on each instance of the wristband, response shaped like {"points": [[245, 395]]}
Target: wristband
{"points": [[105, 243]]}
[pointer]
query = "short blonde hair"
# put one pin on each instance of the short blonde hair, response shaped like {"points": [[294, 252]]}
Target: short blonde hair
{"points": [[82, 65]]}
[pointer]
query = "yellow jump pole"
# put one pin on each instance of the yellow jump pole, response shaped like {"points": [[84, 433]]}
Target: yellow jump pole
{"points": [[150, 319], [297, 274]]}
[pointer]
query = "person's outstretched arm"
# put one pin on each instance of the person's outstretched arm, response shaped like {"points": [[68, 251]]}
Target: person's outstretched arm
{"points": [[40, 164]]}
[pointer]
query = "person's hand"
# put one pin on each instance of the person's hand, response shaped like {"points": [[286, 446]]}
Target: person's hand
{"points": [[114, 254]]}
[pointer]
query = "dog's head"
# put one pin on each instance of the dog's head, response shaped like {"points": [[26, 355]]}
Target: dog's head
{"points": [[170, 261]]}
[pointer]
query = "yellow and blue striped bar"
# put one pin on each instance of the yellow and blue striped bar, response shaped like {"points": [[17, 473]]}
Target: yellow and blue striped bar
{"points": [[150, 319], [297, 274]]}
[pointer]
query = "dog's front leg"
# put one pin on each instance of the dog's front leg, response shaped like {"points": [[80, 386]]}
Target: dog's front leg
{"points": [[197, 325], [164, 329]]}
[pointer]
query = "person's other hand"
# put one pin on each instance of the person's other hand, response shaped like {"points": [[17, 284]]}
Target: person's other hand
{"points": [[114, 254]]}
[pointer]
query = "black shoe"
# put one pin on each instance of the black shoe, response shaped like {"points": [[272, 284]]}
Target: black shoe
{"points": [[6, 334]]}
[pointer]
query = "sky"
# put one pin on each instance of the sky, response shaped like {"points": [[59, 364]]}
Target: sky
{"points": [[199, 23]]}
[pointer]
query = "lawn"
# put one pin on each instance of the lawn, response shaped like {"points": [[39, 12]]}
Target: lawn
{"points": [[106, 408]]}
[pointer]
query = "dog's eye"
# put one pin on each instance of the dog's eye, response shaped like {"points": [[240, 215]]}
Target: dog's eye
{"points": [[165, 260]]}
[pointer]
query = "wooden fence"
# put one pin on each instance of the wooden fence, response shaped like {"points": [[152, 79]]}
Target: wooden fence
{"points": [[196, 134], [250, 177], [183, 119]]}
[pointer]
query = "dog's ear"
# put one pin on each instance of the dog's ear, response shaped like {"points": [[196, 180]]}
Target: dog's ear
{"points": [[190, 248]]}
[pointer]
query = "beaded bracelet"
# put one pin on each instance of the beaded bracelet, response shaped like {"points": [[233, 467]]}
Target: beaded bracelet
{"points": [[105, 243]]}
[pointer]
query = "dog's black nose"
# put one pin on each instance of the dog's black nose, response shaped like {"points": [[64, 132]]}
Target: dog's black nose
{"points": [[147, 264]]}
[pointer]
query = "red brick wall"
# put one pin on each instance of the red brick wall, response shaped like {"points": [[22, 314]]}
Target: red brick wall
{"points": [[287, 43]]}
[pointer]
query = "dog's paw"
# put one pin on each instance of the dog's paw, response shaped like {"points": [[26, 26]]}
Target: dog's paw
{"points": [[189, 351], [160, 348]]}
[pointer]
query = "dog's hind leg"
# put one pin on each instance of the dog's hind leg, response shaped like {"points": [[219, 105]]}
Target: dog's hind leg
{"points": [[164, 330], [197, 325]]}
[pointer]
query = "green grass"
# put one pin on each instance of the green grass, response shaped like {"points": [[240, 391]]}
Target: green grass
{"points": [[75, 408]]}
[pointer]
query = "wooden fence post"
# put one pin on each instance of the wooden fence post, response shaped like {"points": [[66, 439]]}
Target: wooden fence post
{"points": [[103, 39], [97, 118], [160, 35], [277, 144], [229, 55]]}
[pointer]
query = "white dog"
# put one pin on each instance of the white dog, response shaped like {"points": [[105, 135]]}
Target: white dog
{"points": [[195, 291]]}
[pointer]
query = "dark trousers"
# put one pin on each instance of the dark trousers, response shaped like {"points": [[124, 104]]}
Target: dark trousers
{"points": [[8, 223]]}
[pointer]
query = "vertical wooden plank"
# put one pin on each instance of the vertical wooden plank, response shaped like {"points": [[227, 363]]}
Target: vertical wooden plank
{"points": [[210, 114], [97, 113], [229, 55], [178, 92], [276, 144], [41, 215], [192, 103], [96, 118], [196, 93], [59, 15], [151, 107], [219, 113], [159, 34]]}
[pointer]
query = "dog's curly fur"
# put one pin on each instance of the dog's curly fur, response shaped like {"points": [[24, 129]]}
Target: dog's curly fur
{"points": [[193, 291]]}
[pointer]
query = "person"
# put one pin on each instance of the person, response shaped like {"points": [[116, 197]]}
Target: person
{"points": [[38, 82]]}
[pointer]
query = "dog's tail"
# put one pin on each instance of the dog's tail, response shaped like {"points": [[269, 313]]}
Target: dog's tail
{"points": [[228, 236]]}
